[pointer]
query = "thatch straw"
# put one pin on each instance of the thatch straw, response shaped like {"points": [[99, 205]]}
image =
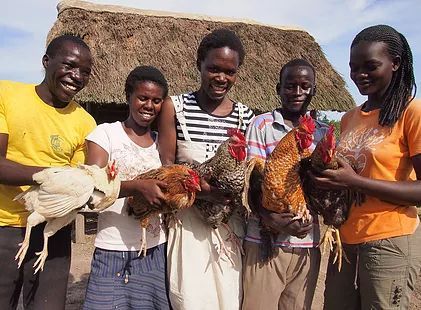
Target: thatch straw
{"points": [[122, 38]]}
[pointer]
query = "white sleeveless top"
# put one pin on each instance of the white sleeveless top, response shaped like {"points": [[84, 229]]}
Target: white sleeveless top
{"points": [[198, 278]]}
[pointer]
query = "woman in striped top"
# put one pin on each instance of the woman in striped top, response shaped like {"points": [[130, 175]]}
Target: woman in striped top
{"points": [[191, 127]]}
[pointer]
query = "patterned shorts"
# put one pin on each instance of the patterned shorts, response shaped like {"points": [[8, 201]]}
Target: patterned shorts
{"points": [[123, 280]]}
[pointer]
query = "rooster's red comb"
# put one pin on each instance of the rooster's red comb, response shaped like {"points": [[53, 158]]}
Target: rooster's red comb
{"points": [[307, 124], [233, 132]]}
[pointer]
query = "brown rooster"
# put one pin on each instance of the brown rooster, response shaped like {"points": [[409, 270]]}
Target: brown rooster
{"points": [[333, 205], [228, 170], [279, 176], [282, 190], [180, 193]]}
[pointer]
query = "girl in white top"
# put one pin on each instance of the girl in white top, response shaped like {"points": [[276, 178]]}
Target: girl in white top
{"points": [[119, 277]]}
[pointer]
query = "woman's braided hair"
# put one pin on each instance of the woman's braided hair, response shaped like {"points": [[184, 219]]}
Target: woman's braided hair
{"points": [[402, 88]]}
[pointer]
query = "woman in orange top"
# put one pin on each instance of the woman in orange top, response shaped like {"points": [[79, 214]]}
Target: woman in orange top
{"points": [[382, 138]]}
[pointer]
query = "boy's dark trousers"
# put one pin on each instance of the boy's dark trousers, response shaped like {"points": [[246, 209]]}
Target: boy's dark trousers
{"points": [[44, 290]]}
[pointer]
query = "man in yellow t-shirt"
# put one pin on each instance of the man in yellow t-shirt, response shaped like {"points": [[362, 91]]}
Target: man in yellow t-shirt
{"points": [[40, 126]]}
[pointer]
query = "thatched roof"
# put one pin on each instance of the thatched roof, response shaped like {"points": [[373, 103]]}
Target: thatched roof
{"points": [[122, 38]]}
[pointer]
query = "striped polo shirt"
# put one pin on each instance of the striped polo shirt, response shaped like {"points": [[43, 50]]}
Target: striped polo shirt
{"points": [[206, 127], [263, 134]]}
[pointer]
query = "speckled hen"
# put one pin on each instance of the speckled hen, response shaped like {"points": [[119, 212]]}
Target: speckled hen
{"points": [[229, 171], [333, 205]]}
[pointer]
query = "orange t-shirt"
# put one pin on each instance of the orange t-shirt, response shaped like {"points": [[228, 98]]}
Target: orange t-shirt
{"points": [[380, 153]]}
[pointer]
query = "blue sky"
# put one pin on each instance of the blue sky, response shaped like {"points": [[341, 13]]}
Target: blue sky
{"points": [[24, 25]]}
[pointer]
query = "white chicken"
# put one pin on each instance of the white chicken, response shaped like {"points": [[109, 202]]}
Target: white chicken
{"points": [[61, 192]]}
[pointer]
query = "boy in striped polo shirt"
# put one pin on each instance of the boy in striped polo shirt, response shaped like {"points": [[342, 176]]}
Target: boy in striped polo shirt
{"points": [[288, 280]]}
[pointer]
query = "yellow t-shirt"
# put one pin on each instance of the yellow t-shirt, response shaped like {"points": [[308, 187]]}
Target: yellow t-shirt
{"points": [[39, 135], [380, 153]]}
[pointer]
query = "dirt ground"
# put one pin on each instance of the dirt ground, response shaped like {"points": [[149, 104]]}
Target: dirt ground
{"points": [[81, 259]]}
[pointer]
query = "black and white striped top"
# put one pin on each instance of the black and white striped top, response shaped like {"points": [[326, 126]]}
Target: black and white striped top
{"points": [[208, 128]]}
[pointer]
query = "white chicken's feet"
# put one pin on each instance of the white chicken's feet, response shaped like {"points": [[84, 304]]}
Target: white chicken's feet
{"points": [[223, 250], [20, 255], [233, 238], [143, 244], [24, 245], [39, 263]]}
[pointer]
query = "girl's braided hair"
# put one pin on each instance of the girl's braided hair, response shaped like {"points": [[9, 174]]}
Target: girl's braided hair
{"points": [[402, 88]]}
